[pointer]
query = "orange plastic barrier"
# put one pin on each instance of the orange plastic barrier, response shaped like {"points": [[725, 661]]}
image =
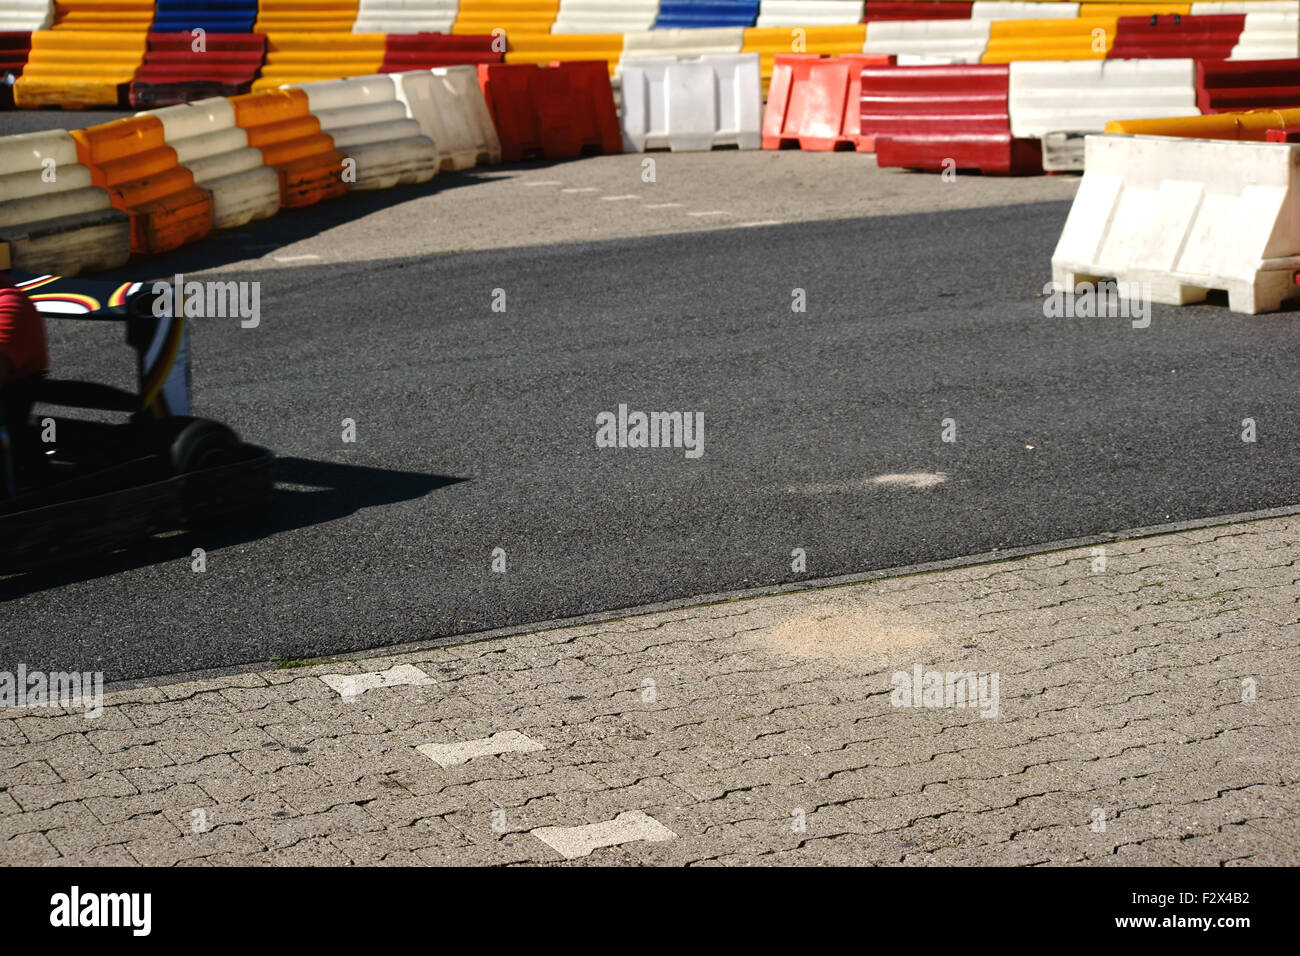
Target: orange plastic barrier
{"points": [[557, 111], [279, 124], [513, 16], [1250, 125], [813, 102], [130, 159]]}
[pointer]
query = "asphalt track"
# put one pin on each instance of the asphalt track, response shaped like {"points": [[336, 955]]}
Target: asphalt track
{"points": [[476, 430]]}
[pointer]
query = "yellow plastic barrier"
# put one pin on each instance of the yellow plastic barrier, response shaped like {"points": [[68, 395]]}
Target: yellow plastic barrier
{"points": [[545, 47], [1080, 39], [306, 16], [302, 57], [770, 42], [115, 15], [1132, 9], [513, 16], [78, 68], [1248, 125]]}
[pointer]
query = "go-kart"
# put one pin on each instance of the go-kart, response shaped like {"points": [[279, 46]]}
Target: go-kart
{"points": [[74, 487]]}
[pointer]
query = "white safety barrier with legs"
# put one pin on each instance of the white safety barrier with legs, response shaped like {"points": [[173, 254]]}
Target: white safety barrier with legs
{"points": [[216, 151], [449, 107], [1181, 217], [51, 215], [697, 104]]}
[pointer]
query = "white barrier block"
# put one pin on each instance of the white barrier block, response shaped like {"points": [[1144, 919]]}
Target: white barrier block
{"points": [[1245, 6], [1186, 216], [1020, 10], [946, 41], [605, 16], [449, 106], [808, 13], [406, 16], [692, 104], [1084, 95], [27, 15], [1268, 36], [684, 43]]}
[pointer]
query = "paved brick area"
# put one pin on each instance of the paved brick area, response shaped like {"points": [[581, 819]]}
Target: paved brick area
{"points": [[1145, 713]]}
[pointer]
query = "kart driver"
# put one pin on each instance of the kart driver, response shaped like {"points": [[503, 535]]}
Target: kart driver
{"points": [[23, 348]]}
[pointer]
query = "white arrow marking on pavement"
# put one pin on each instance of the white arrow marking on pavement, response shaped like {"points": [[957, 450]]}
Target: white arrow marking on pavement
{"points": [[354, 685], [573, 842], [505, 742]]}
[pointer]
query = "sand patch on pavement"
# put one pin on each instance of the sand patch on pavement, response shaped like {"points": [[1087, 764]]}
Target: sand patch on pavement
{"points": [[847, 632]]}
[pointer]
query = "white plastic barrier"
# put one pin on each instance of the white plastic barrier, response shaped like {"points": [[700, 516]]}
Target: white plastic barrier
{"points": [[370, 126], [1019, 10], [1245, 6], [406, 16], [51, 215], [1267, 36], [605, 16], [24, 15], [216, 151], [715, 100], [1084, 95], [943, 41], [1186, 216], [449, 107], [809, 13]]}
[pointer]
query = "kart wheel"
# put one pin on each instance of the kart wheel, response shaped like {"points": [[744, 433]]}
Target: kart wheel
{"points": [[201, 444]]}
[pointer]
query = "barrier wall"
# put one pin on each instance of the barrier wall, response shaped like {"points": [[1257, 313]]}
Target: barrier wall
{"points": [[449, 107], [1079, 39], [116, 15], [1210, 37], [543, 48], [513, 16], [1223, 86], [53, 217], [951, 41], [706, 13], [303, 57], [770, 42], [917, 10], [405, 16], [1186, 217], [173, 72], [605, 16], [75, 69], [216, 152], [305, 16], [693, 104], [214, 16], [1021, 10], [15, 47], [26, 16], [815, 102], [1085, 95], [424, 51], [552, 112], [278, 123], [803, 13], [1267, 36]]}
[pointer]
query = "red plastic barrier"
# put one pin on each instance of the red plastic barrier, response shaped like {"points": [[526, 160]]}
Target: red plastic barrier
{"points": [[1207, 37], [944, 117], [916, 10], [1226, 85], [558, 111], [174, 72], [15, 47], [813, 102], [424, 51]]}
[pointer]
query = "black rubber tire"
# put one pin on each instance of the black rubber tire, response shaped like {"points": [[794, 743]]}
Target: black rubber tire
{"points": [[203, 443]]}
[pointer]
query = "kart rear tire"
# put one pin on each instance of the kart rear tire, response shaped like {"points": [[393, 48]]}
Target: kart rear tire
{"points": [[203, 443]]}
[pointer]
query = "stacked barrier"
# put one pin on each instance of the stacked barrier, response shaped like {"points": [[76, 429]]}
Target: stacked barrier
{"points": [[804, 13], [133, 16], [1224, 86], [542, 48], [305, 16], [173, 72], [1208, 37], [75, 69], [917, 10], [449, 107], [1049, 39], [683, 44], [605, 16], [946, 41], [1267, 36], [513, 16], [815, 103], [277, 122], [15, 47], [213, 16], [1021, 10], [303, 57], [52, 215], [216, 152], [405, 16], [131, 159], [26, 16], [424, 51], [1184, 217], [694, 14], [381, 145], [944, 118], [771, 42], [691, 104], [552, 112]]}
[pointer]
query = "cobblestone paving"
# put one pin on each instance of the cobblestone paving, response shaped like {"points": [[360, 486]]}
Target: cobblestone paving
{"points": [[1146, 713]]}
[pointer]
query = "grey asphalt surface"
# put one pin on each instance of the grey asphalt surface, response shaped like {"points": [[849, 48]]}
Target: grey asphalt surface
{"points": [[476, 431]]}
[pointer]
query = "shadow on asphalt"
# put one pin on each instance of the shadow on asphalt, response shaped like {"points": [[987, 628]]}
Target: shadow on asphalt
{"points": [[307, 493]]}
